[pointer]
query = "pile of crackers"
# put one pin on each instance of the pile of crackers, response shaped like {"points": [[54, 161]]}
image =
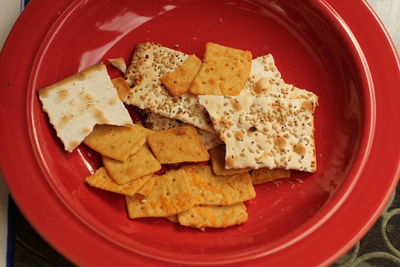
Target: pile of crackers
{"points": [[210, 130]]}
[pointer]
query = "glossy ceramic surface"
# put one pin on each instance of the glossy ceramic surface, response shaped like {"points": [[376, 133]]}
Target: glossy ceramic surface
{"points": [[314, 48]]}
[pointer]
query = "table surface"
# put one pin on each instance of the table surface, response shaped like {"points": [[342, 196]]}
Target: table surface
{"points": [[380, 246]]}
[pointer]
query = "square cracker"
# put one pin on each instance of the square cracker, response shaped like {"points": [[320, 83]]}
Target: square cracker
{"points": [[175, 145], [157, 123], [76, 104], [178, 81], [265, 175], [117, 142], [224, 71], [100, 179], [265, 131], [218, 162], [213, 216], [165, 195], [135, 166], [212, 189], [122, 87], [149, 63]]}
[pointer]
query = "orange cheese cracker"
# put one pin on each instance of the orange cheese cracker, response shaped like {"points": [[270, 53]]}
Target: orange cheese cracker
{"points": [[117, 142], [265, 175], [166, 195], [175, 145], [135, 166], [224, 71], [212, 189], [100, 179], [178, 81], [213, 216], [218, 162]]}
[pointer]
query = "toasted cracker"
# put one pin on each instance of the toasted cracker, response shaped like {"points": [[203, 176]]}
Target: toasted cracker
{"points": [[210, 140], [167, 195], [218, 162], [178, 81], [157, 122], [76, 104], [135, 166], [212, 189], [265, 175], [150, 62], [119, 63], [173, 218], [175, 145], [122, 87], [265, 131], [100, 179], [213, 216], [117, 142], [224, 71]]}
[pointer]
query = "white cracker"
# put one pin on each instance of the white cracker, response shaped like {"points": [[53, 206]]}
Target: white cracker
{"points": [[265, 131], [150, 62], [76, 104]]}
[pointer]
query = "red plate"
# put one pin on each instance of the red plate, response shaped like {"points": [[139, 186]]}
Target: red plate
{"points": [[322, 46]]}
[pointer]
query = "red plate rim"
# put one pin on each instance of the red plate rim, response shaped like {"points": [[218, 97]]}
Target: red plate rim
{"points": [[333, 205]]}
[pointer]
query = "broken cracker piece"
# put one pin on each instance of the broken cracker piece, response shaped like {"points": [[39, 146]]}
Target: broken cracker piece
{"points": [[213, 216], [224, 71], [119, 63], [122, 87], [210, 140], [212, 189], [218, 162], [100, 179], [178, 81], [175, 145], [76, 104], [135, 166], [265, 175], [168, 194], [173, 218], [117, 142]]}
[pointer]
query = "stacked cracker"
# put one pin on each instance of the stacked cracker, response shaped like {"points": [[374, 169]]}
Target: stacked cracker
{"points": [[266, 125], [228, 107], [133, 155], [264, 122]]}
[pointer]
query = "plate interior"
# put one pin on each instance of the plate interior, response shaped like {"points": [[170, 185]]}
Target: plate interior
{"points": [[309, 53]]}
